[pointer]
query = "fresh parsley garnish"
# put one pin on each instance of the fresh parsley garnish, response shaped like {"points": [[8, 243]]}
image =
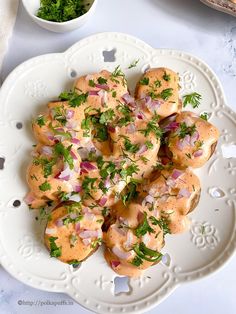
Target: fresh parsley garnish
{"points": [[137, 261], [192, 99], [144, 81], [74, 99], [143, 227], [166, 93], [145, 253], [40, 121], [60, 149], [204, 116], [117, 73], [133, 64], [163, 223], [107, 116], [166, 77], [91, 83], [129, 147], [45, 186], [186, 130], [55, 251], [60, 10], [153, 127], [102, 80]]}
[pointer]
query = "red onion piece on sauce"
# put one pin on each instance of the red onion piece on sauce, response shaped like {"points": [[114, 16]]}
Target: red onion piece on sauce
{"points": [[183, 193], [93, 93], [87, 165], [75, 141], [198, 153], [121, 254], [88, 234], [142, 149], [176, 173], [73, 155], [115, 264], [69, 114], [102, 201], [102, 86]]}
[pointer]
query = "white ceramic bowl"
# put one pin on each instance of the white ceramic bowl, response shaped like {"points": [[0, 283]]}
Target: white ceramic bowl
{"points": [[32, 6]]}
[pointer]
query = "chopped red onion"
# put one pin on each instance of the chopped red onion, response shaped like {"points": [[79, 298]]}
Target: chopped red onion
{"points": [[65, 174], [47, 150], [121, 254], [69, 114], [72, 124], [140, 115], [129, 240], [77, 227], [121, 231], [77, 188], [198, 153], [148, 199], [111, 129], [183, 193], [102, 86], [29, 198], [115, 264], [93, 93], [87, 166], [75, 198], [87, 242], [88, 234], [176, 173], [59, 222], [194, 138], [75, 141], [89, 216], [102, 201], [107, 183], [73, 155], [172, 126], [142, 149], [131, 128], [103, 95], [128, 99], [171, 182], [59, 129]]}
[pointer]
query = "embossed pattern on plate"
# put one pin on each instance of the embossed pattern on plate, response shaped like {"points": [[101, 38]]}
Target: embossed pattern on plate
{"points": [[211, 239]]}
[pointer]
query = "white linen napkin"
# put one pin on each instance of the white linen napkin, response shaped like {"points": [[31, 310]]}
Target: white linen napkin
{"points": [[8, 12]]}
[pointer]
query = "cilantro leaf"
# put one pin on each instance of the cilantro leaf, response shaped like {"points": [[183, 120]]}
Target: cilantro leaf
{"points": [[192, 99], [55, 251], [143, 227], [45, 186]]}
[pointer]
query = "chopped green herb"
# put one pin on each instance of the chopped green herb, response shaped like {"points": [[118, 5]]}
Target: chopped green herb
{"points": [[192, 99], [166, 93], [144, 227], [96, 242], [137, 261], [75, 100], [60, 10], [114, 94], [204, 116], [102, 81], [145, 253], [117, 73], [88, 184], [144, 81], [45, 186], [130, 192], [186, 130], [157, 83], [91, 83], [59, 114], [166, 77], [189, 155], [153, 127], [107, 116], [129, 147], [149, 144], [65, 152], [133, 64], [163, 223], [74, 262], [55, 251], [40, 120]]}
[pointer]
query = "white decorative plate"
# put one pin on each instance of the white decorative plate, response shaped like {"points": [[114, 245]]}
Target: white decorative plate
{"points": [[197, 253]]}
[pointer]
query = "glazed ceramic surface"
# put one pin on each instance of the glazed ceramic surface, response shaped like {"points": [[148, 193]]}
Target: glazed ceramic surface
{"points": [[32, 6], [202, 250]]}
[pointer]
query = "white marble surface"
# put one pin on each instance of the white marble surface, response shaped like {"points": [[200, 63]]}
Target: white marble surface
{"points": [[179, 24]]}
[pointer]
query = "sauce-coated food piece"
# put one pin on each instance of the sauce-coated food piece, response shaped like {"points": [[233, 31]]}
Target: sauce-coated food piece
{"points": [[133, 242], [193, 140], [73, 232], [157, 91]]}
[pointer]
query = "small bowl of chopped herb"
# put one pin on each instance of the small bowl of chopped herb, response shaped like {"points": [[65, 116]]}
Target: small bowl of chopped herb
{"points": [[60, 15]]}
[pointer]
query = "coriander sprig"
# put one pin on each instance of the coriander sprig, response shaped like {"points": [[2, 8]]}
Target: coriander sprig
{"points": [[193, 99]]}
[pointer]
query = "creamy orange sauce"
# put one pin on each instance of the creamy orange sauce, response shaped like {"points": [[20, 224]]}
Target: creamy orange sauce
{"points": [[98, 161], [193, 150]]}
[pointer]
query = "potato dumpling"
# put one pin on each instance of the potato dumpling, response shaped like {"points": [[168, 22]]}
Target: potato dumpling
{"points": [[133, 242], [193, 140], [105, 89], [73, 232], [157, 92]]}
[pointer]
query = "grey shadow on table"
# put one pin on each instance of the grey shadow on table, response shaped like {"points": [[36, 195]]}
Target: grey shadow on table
{"points": [[194, 13]]}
